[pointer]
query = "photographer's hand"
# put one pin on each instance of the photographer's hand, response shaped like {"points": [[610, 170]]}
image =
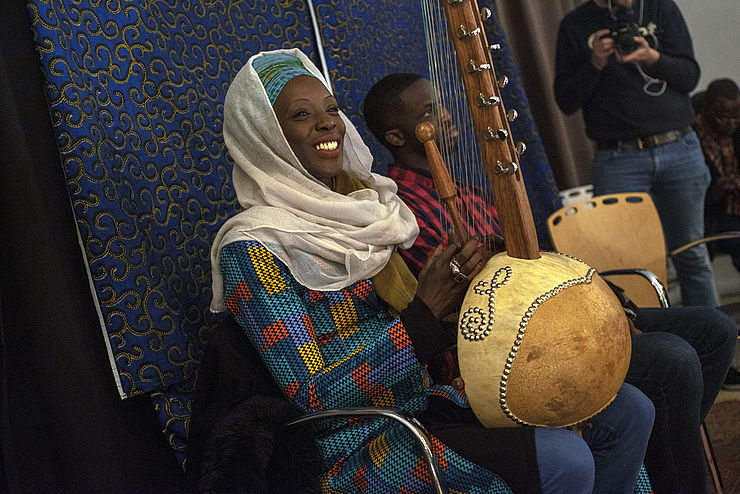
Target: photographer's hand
{"points": [[601, 48], [643, 53]]}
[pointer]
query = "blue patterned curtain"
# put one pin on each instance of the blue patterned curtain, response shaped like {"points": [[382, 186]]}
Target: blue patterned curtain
{"points": [[135, 91]]}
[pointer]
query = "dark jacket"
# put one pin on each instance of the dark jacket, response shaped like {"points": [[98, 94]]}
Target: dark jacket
{"points": [[238, 442]]}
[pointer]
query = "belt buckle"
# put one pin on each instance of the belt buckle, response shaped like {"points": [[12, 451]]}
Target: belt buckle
{"points": [[640, 144]]}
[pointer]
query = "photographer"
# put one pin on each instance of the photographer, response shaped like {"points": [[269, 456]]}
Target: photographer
{"points": [[629, 65]]}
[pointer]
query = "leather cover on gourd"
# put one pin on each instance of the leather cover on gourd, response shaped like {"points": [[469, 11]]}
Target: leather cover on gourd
{"points": [[541, 342]]}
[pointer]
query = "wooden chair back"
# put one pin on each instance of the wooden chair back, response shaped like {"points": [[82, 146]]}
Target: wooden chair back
{"points": [[614, 231]]}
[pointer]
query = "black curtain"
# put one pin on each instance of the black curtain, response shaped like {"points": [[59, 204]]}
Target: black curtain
{"points": [[64, 427]]}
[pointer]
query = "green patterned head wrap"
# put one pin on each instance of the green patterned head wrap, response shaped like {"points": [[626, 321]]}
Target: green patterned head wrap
{"points": [[275, 70]]}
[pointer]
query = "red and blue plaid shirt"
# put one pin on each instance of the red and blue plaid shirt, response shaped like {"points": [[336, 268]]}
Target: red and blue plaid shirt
{"points": [[416, 189]]}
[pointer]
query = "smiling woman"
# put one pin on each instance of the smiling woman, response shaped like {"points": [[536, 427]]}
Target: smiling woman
{"points": [[288, 140], [309, 117]]}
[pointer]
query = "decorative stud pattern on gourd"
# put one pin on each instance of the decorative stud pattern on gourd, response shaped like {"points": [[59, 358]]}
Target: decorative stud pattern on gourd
{"points": [[523, 328], [477, 324]]}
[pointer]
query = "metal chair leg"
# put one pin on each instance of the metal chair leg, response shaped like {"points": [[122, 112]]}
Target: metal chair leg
{"points": [[711, 460]]}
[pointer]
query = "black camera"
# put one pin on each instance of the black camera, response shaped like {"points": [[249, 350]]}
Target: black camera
{"points": [[624, 30]]}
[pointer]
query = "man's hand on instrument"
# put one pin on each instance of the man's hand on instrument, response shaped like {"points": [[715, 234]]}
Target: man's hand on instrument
{"points": [[491, 244], [446, 275]]}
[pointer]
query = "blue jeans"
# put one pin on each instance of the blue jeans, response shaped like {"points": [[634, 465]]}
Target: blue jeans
{"points": [[607, 459], [679, 362], [677, 178]]}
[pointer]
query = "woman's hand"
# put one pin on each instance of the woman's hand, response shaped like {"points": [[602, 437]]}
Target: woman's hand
{"points": [[491, 245], [439, 287]]}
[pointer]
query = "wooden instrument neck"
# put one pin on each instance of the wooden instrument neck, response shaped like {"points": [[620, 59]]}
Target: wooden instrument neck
{"points": [[443, 182], [498, 152]]}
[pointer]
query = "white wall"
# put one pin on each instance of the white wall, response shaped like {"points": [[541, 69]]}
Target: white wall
{"points": [[715, 30]]}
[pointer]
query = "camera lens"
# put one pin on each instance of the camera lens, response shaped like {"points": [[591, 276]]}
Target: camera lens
{"points": [[625, 43], [625, 30]]}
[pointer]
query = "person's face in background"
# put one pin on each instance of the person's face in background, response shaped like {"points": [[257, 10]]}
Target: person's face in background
{"points": [[726, 114], [309, 117], [419, 106]]}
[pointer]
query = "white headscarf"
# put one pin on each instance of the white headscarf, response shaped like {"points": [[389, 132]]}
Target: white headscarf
{"points": [[327, 240]]}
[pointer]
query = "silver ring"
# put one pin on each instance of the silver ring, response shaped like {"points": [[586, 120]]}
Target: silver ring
{"points": [[457, 273], [455, 267]]}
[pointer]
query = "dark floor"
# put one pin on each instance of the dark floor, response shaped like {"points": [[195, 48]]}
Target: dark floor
{"points": [[723, 421], [723, 426]]}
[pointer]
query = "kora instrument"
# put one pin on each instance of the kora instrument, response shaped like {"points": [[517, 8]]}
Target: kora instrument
{"points": [[542, 339]]}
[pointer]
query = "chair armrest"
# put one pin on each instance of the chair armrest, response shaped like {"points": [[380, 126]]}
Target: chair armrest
{"points": [[655, 282], [410, 423], [704, 240]]}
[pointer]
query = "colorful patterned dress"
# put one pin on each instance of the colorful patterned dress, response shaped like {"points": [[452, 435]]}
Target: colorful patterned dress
{"points": [[342, 349]]}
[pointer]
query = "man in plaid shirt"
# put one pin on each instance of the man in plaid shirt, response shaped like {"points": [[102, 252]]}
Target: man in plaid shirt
{"points": [[411, 173], [411, 170]]}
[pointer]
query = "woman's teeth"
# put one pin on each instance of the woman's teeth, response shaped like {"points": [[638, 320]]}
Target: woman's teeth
{"points": [[327, 146]]}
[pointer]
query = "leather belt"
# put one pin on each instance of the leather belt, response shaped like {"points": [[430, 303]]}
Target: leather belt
{"points": [[647, 142]]}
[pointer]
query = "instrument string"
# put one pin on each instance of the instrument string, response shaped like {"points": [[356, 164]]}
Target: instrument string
{"points": [[451, 111]]}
